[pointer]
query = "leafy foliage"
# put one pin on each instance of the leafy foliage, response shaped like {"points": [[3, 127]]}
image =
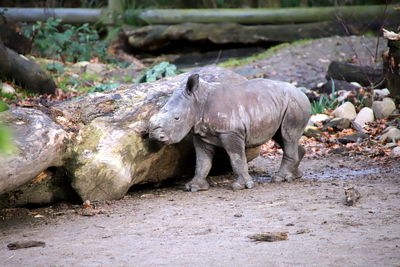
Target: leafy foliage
{"points": [[325, 102], [56, 67], [104, 87], [161, 70], [5, 136], [66, 42]]}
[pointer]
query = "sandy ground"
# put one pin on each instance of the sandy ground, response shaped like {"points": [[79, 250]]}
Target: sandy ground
{"points": [[167, 226]]}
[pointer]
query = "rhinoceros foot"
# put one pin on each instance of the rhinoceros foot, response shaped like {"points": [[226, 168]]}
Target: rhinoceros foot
{"points": [[238, 186], [288, 177], [195, 186]]}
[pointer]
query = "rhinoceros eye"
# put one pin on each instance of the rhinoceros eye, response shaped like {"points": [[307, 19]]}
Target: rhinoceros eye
{"points": [[176, 118]]}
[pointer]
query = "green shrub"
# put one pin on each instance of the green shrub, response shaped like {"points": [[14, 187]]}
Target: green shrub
{"points": [[6, 146], [159, 71], [66, 42], [325, 102]]}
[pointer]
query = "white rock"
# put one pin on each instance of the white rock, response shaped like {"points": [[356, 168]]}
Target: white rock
{"points": [[318, 118], [382, 109], [79, 66], [7, 89], [343, 95], [395, 153], [346, 110], [356, 84], [365, 115], [381, 93], [391, 134], [96, 68]]}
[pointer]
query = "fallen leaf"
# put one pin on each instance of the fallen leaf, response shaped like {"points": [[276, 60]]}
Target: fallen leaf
{"points": [[269, 236]]}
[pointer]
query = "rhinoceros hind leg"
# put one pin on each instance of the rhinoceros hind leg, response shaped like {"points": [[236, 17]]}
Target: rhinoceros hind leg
{"points": [[235, 147], [292, 155]]}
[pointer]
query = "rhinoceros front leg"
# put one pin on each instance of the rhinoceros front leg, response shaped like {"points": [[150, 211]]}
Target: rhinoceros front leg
{"points": [[204, 155], [235, 147]]}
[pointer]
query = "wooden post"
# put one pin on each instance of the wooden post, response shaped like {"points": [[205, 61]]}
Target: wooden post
{"points": [[116, 10], [391, 63]]}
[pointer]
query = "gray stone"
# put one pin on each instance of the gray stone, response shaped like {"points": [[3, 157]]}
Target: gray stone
{"points": [[96, 68], [318, 118], [346, 110], [311, 131], [338, 124], [390, 134], [382, 109], [364, 116], [353, 138], [395, 153], [7, 89], [379, 94], [79, 67]]}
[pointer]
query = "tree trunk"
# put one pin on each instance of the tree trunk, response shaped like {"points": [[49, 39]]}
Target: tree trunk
{"points": [[264, 16], [100, 139], [25, 72], [391, 66], [39, 143]]}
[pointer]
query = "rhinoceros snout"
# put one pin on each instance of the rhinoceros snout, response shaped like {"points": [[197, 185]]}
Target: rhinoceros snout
{"points": [[159, 135]]}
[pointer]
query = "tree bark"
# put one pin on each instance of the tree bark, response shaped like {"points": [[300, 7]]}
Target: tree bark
{"points": [[39, 143], [391, 66], [25, 72], [98, 140], [155, 37], [264, 16]]}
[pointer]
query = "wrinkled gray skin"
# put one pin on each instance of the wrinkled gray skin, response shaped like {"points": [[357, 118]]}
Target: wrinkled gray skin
{"points": [[235, 117]]}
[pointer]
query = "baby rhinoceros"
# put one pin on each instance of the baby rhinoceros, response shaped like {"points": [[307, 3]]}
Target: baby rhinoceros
{"points": [[235, 117]]}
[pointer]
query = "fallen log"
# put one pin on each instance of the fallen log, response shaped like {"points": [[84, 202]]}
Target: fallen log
{"points": [[176, 16], [39, 142], [103, 151], [14, 40], [364, 75], [260, 15], [156, 37], [24, 72]]}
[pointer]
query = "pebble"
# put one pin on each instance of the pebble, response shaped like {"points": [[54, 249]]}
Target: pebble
{"points": [[395, 153], [346, 110], [7, 89], [364, 116], [382, 109]]}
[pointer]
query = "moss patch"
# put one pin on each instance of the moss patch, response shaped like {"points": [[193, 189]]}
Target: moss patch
{"points": [[263, 55]]}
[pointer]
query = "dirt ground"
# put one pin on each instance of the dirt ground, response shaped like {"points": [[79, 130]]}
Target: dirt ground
{"points": [[167, 226], [170, 227]]}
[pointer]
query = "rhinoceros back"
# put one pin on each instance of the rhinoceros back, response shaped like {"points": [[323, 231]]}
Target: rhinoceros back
{"points": [[253, 109]]}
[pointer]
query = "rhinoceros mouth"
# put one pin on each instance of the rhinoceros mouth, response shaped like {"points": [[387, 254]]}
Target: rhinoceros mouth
{"points": [[159, 135]]}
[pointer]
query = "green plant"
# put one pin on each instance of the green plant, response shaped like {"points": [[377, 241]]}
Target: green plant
{"points": [[6, 146], [325, 102], [161, 70], [104, 87], [56, 67], [3, 106], [66, 42]]}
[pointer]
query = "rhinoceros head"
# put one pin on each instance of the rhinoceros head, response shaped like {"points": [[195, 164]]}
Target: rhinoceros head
{"points": [[175, 120]]}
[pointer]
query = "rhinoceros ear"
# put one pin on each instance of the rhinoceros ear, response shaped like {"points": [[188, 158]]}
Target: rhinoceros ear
{"points": [[192, 83]]}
